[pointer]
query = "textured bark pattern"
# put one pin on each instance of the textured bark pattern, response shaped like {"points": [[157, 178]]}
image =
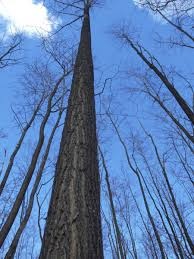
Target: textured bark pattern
{"points": [[73, 228]]}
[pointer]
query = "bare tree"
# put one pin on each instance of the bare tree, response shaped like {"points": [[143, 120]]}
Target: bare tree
{"points": [[18, 145], [73, 227], [135, 169], [178, 15], [158, 69], [122, 254], [9, 50], [12, 249], [20, 196]]}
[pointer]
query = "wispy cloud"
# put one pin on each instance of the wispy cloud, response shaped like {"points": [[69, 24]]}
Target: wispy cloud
{"points": [[26, 16]]}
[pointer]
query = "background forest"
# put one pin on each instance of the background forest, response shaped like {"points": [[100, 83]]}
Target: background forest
{"points": [[144, 98]]}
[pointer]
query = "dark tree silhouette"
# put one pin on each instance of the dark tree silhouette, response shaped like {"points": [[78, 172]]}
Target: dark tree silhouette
{"points": [[73, 227]]}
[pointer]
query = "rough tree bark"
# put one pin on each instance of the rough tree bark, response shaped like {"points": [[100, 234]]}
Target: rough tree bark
{"points": [[73, 227]]}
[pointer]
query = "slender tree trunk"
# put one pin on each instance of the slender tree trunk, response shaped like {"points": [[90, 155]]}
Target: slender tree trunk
{"points": [[160, 73], [173, 118], [73, 227], [13, 246], [185, 230], [165, 212], [17, 147], [112, 208], [137, 173], [21, 194], [144, 224]]}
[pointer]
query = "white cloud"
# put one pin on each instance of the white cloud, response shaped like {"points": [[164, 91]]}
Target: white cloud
{"points": [[26, 16]]}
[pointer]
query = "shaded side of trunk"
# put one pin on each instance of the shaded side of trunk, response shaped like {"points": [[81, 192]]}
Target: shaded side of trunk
{"points": [[73, 227]]}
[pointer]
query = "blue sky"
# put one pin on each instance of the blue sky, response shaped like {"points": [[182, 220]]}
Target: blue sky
{"points": [[109, 55], [108, 52]]}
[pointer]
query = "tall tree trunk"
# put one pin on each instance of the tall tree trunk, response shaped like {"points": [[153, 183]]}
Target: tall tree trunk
{"points": [[73, 227], [136, 171], [161, 75], [18, 145], [112, 208], [32, 166], [14, 244]]}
